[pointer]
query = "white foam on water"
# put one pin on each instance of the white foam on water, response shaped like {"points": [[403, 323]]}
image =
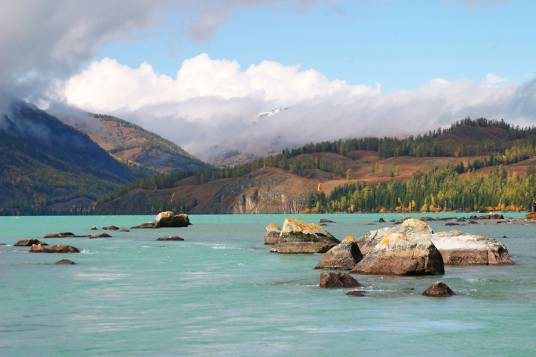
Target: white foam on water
{"points": [[99, 276]]}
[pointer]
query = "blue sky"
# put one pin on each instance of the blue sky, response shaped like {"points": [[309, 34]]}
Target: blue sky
{"points": [[399, 44]]}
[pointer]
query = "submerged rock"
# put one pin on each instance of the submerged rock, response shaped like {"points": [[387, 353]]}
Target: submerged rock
{"points": [[145, 225], [334, 280], [356, 293], [402, 254], [298, 237], [60, 235], [101, 235], [28, 242], [381, 220], [110, 228], [94, 228], [489, 216], [272, 234], [170, 238], [65, 262], [458, 248], [438, 289], [344, 256], [125, 230], [326, 220], [60, 248]]}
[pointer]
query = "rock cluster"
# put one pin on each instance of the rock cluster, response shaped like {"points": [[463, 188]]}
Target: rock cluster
{"points": [[297, 237], [456, 248]]}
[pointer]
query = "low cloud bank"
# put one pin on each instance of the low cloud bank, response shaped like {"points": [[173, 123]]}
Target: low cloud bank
{"points": [[212, 106]]}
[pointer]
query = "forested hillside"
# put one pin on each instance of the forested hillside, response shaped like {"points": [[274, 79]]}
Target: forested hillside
{"points": [[48, 167], [344, 172]]}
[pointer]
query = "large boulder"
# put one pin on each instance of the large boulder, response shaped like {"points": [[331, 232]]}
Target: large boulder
{"points": [[402, 254], [438, 289], [531, 216], [28, 242], [272, 234], [170, 219], [458, 248], [334, 280], [167, 219], [408, 226], [298, 237], [343, 256], [60, 248]]}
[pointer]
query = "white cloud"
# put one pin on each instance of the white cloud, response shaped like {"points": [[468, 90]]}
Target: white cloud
{"points": [[111, 87], [42, 41], [495, 79], [212, 105]]}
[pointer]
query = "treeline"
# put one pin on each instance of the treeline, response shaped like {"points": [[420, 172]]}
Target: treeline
{"points": [[439, 190], [461, 139]]}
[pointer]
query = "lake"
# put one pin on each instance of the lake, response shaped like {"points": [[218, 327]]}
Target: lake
{"points": [[220, 292]]}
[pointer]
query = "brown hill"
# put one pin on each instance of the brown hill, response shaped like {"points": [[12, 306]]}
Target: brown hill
{"points": [[272, 190], [134, 145]]}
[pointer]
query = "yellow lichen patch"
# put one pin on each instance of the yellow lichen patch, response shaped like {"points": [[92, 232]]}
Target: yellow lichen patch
{"points": [[385, 241], [272, 227], [349, 238]]}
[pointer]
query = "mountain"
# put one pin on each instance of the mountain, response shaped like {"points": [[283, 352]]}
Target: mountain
{"points": [[134, 145], [304, 179], [50, 167]]}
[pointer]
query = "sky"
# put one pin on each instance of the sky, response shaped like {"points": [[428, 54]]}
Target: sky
{"points": [[400, 44], [260, 75]]}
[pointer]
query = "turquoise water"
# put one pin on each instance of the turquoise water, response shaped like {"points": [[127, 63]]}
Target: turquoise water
{"points": [[220, 292]]}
